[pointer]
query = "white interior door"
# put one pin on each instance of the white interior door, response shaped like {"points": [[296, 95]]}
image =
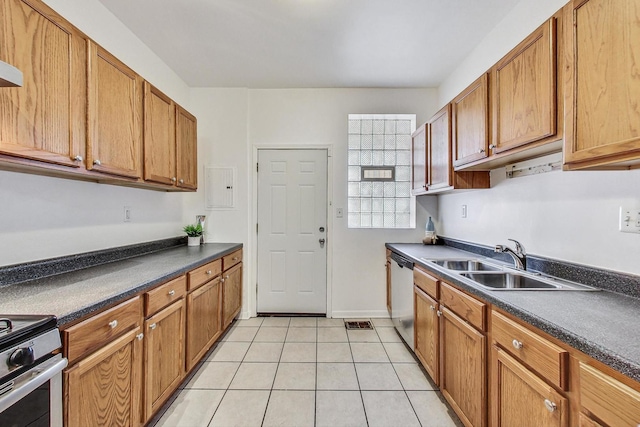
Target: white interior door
{"points": [[292, 223]]}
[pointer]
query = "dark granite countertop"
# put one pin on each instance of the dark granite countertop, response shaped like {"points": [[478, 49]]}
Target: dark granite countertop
{"points": [[75, 294], [600, 324]]}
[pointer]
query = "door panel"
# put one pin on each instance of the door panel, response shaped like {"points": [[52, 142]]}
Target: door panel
{"points": [[292, 211]]}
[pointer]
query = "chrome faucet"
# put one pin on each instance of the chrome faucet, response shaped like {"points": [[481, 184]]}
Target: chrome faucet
{"points": [[519, 255]]}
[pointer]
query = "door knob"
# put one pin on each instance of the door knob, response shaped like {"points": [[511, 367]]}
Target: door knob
{"points": [[321, 229], [321, 242]]}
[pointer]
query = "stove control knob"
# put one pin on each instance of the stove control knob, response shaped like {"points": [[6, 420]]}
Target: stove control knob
{"points": [[22, 357]]}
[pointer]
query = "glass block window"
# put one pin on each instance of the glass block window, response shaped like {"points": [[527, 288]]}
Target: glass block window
{"points": [[377, 141]]}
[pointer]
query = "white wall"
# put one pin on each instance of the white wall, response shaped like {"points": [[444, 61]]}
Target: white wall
{"points": [[233, 122], [571, 216], [43, 217]]}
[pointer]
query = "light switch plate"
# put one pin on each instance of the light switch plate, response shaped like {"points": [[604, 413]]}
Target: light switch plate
{"points": [[629, 220]]}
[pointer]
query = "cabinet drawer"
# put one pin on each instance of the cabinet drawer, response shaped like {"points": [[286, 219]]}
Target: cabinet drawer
{"points": [[546, 358], [607, 398], [164, 295], [98, 330], [424, 281], [465, 306], [232, 259], [202, 275]]}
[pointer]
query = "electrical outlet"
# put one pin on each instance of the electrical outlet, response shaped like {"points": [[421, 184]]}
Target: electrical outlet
{"points": [[464, 211], [127, 214], [339, 212], [629, 221]]}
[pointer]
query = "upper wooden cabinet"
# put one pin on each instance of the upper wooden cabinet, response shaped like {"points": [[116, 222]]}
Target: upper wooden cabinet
{"points": [[43, 120], [470, 118], [438, 169], [115, 116], [517, 113], [602, 113], [419, 178], [439, 151], [159, 136], [187, 149], [80, 114], [524, 91]]}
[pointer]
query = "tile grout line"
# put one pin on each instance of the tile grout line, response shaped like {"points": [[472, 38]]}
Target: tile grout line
{"points": [[364, 408], [266, 407]]}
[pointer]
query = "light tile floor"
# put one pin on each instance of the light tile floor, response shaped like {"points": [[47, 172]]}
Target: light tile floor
{"points": [[305, 371]]}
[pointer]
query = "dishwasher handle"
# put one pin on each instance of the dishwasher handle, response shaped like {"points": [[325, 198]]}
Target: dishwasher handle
{"points": [[401, 261]]}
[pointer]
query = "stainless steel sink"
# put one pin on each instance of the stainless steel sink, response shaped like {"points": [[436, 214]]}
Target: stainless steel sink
{"points": [[464, 264], [505, 280]]}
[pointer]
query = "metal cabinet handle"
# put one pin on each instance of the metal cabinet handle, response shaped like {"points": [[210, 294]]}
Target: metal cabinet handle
{"points": [[550, 405], [181, 181], [209, 272], [173, 179], [439, 313], [432, 307], [492, 146], [140, 336], [235, 258], [152, 326], [481, 151], [113, 324], [222, 280], [516, 344], [171, 293], [226, 277], [78, 158], [97, 162]]}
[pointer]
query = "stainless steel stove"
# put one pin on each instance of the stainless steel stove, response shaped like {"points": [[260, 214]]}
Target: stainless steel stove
{"points": [[31, 367]]}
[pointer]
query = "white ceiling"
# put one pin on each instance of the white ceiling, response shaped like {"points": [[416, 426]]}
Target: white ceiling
{"points": [[311, 43]]}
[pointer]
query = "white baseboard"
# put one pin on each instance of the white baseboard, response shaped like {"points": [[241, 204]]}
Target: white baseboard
{"points": [[360, 313]]}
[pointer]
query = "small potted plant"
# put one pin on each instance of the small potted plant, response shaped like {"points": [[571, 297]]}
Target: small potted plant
{"points": [[194, 231]]}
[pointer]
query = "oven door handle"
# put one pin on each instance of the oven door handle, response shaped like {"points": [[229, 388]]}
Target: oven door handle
{"points": [[33, 383]]}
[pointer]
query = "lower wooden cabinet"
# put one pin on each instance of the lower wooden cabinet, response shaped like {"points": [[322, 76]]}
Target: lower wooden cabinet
{"points": [[104, 388], [463, 369], [607, 399], [521, 398], [164, 355], [203, 320], [426, 330], [231, 294]]}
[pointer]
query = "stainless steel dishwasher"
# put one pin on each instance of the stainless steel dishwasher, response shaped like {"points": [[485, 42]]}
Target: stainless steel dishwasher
{"points": [[402, 296]]}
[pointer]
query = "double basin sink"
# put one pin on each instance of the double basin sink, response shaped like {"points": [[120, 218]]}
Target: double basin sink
{"points": [[498, 277]]}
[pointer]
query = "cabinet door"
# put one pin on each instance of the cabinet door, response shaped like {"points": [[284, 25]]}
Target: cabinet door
{"points": [[45, 118], [115, 113], [164, 355], [203, 320], [231, 294], [426, 332], [388, 276], [419, 172], [602, 112], [159, 136], [524, 85], [462, 369], [187, 149], [522, 399], [470, 123], [439, 137], [105, 388]]}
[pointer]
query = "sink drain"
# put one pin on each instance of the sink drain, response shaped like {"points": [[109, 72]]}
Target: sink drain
{"points": [[358, 324]]}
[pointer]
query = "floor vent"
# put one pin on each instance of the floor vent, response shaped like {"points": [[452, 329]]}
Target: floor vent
{"points": [[358, 324]]}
